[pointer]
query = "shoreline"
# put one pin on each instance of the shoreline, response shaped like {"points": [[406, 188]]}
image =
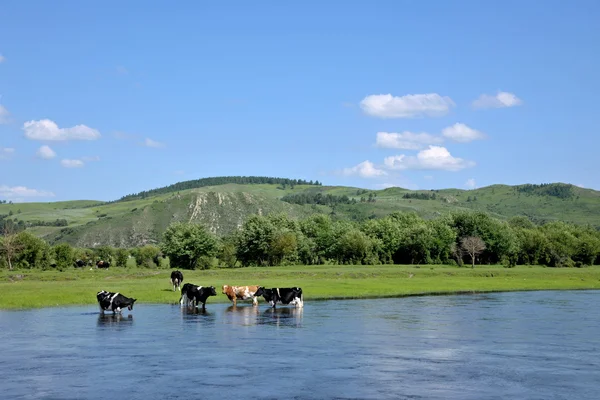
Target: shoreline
{"points": [[30, 289]]}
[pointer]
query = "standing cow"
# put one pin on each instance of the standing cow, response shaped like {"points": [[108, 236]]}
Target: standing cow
{"points": [[192, 295], [176, 280], [235, 293], [113, 301], [284, 296]]}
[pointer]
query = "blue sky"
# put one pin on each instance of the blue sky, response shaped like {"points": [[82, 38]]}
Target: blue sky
{"points": [[102, 100]]}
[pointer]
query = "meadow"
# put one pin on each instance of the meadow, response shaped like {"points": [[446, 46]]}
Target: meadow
{"points": [[23, 289]]}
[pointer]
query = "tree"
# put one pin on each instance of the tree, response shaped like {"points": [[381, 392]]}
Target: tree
{"points": [[473, 246], [63, 255], [121, 256], [10, 246], [189, 245]]}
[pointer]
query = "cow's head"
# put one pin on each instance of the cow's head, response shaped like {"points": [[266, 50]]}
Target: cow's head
{"points": [[260, 291], [211, 291], [225, 287], [269, 295], [100, 295], [130, 306]]}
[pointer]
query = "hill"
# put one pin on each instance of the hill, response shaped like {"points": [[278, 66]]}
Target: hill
{"points": [[141, 218]]}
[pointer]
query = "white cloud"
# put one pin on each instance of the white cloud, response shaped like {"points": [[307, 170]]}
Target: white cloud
{"points": [[462, 133], [92, 158], [409, 106], [365, 169], [6, 152], [22, 191], [46, 152], [3, 115], [2, 58], [72, 163], [500, 100], [470, 183], [46, 129], [435, 157], [152, 143], [406, 140]]}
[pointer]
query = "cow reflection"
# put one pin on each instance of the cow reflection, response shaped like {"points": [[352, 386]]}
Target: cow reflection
{"points": [[246, 315], [192, 314], [107, 320], [281, 317]]}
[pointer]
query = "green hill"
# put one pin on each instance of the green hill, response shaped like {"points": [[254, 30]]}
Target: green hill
{"points": [[141, 218]]}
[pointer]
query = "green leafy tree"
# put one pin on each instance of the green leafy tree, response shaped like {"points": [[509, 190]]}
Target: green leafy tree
{"points": [[34, 252], [121, 257], [146, 256], [63, 256], [189, 246]]}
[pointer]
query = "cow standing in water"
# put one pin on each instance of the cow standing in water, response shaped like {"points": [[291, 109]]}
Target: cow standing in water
{"points": [[176, 279], [284, 296], [193, 295], [235, 293], [113, 301]]}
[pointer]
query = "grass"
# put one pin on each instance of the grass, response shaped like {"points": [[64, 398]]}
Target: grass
{"points": [[34, 289]]}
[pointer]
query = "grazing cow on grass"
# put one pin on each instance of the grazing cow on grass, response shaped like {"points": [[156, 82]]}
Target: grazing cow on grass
{"points": [[284, 296], [192, 295], [176, 279], [79, 263], [235, 293], [113, 301], [102, 264]]}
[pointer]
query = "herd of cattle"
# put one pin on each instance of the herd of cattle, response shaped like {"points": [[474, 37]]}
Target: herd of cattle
{"points": [[194, 295]]}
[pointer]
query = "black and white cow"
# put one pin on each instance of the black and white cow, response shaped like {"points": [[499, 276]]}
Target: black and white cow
{"points": [[79, 263], [284, 296], [176, 279], [113, 301], [192, 295], [102, 264]]}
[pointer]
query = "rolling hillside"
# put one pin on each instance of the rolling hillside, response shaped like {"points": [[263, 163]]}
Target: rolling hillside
{"points": [[136, 220]]}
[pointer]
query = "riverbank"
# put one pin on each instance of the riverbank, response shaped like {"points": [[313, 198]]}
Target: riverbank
{"points": [[33, 289]]}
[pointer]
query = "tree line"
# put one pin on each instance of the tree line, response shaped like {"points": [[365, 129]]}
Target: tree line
{"points": [[221, 180], [276, 239]]}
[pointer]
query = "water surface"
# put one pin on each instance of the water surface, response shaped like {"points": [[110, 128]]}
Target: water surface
{"points": [[526, 345]]}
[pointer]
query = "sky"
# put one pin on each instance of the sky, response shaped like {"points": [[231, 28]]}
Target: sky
{"points": [[100, 100]]}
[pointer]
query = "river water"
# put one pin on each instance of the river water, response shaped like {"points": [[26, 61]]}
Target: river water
{"points": [[521, 345]]}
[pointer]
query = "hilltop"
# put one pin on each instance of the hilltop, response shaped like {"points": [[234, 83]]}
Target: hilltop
{"points": [[224, 203]]}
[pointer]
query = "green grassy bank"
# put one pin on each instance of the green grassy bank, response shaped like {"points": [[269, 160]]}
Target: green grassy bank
{"points": [[31, 289]]}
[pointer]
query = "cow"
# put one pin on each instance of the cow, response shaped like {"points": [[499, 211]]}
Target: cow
{"points": [[114, 301], [235, 293], [79, 263], [284, 296], [176, 279], [192, 295], [102, 264]]}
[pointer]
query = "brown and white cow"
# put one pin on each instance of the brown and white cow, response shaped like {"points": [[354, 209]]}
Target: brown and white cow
{"points": [[235, 293]]}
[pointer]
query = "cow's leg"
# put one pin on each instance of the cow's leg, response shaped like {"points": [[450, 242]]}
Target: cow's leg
{"points": [[254, 301], [101, 309]]}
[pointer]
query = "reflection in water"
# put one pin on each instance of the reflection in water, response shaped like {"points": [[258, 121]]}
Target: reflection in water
{"points": [[285, 316], [114, 319], [196, 315], [245, 315]]}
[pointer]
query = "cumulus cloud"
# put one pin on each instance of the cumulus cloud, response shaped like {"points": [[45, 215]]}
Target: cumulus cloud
{"points": [[406, 140], [46, 152], [462, 133], [152, 143], [470, 184], [3, 115], [500, 100], [72, 163], [46, 129], [22, 191], [408, 106], [435, 157], [365, 169], [6, 152]]}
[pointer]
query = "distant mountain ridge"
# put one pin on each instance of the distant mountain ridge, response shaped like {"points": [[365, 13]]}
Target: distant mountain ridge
{"points": [[223, 204]]}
